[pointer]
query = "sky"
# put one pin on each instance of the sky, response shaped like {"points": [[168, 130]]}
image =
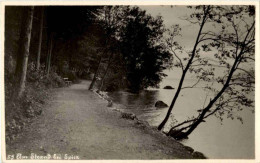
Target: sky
{"points": [[171, 16], [175, 15]]}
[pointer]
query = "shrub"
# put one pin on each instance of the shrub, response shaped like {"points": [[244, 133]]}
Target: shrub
{"points": [[72, 76], [58, 80], [19, 112]]}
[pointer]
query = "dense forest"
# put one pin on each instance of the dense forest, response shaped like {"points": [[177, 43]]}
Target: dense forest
{"points": [[117, 47]]}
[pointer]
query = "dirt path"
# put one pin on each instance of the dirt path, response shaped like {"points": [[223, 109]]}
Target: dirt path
{"points": [[77, 122]]}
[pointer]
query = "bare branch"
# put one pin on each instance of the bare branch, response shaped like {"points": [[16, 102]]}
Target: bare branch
{"points": [[250, 58], [214, 111], [208, 33], [187, 121], [246, 72], [177, 58], [237, 37], [192, 85], [199, 65]]}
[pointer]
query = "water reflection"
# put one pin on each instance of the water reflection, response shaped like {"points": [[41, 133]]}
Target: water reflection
{"points": [[230, 140], [144, 98]]}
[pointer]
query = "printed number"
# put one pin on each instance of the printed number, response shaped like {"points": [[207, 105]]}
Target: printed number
{"points": [[10, 157]]}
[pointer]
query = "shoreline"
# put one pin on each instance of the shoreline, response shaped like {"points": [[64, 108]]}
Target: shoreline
{"points": [[77, 122], [144, 124]]}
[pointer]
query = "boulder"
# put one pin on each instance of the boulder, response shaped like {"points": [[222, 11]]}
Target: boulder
{"points": [[110, 103], [198, 155], [128, 116], [168, 87], [160, 104], [175, 134], [142, 123], [191, 150]]}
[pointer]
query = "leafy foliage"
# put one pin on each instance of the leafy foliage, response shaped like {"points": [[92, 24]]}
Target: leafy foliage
{"points": [[145, 58], [222, 58]]}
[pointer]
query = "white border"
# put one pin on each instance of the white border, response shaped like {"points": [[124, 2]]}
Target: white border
{"points": [[132, 2]]}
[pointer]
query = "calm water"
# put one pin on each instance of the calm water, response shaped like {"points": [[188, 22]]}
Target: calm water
{"points": [[230, 140]]}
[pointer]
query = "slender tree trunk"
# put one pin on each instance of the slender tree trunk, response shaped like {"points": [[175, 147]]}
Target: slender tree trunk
{"points": [[47, 59], [225, 86], [24, 47], [207, 108], [104, 76], [95, 75], [160, 127], [70, 50], [49, 55], [40, 40], [19, 63]]}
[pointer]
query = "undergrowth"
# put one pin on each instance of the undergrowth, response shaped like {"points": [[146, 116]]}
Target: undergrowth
{"points": [[19, 112]]}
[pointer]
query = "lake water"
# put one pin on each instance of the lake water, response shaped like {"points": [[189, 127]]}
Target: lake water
{"points": [[229, 140]]}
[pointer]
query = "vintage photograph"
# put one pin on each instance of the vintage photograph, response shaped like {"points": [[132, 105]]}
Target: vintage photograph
{"points": [[129, 82]]}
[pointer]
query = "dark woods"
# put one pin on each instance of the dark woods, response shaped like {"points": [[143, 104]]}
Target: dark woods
{"points": [[75, 41], [117, 47]]}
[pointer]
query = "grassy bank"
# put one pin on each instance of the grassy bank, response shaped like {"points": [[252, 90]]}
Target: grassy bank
{"points": [[20, 112]]}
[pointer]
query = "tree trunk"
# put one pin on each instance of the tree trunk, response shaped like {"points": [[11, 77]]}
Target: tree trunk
{"points": [[225, 86], [49, 55], [19, 62], [207, 108], [70, 50], [40, 40], [24, 46], [109, 63], [160, 127], [95, 75]]}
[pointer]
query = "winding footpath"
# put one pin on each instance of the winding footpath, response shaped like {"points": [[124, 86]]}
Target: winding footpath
{"points": [[77, 124]]}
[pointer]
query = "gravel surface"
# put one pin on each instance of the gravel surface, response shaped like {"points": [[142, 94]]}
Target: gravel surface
{"points": [[77, 124]]}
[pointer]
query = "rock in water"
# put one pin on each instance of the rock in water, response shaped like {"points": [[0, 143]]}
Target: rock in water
{"points": [[129, 116], [191, 150], [160, 104], [168, 87], [198, 155]]}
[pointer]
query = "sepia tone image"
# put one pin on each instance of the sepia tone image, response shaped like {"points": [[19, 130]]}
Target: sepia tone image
{"points": [[129, 82]]}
